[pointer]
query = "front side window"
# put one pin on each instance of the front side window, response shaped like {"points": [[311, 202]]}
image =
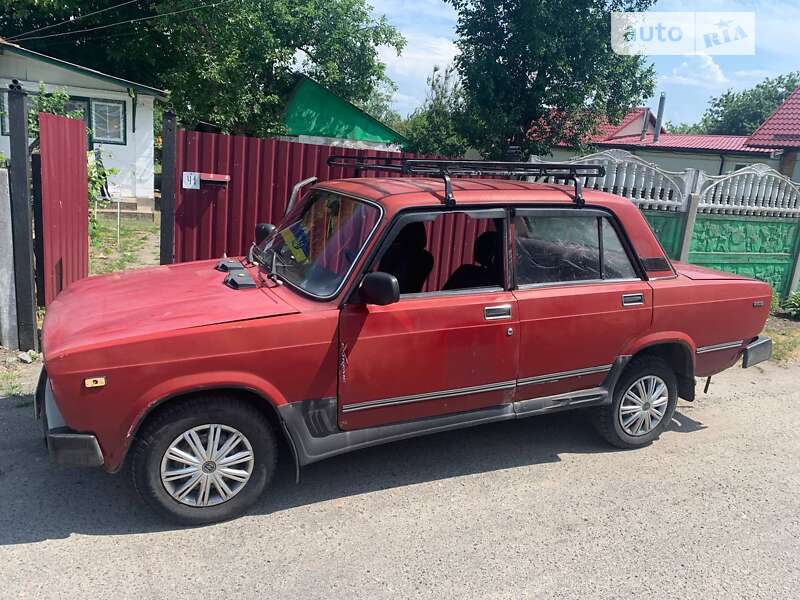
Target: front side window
{"points": [[319, 241], [446, 252], [108, 121], [564, 249]]}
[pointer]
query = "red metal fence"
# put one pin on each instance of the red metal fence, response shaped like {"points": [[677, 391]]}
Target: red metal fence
{"points": [[221, 215], [64, 204], [245, 181]]}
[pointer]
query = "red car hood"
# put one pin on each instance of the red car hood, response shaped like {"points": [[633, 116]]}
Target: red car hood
{"points": [[697, 273], [130, 304]]}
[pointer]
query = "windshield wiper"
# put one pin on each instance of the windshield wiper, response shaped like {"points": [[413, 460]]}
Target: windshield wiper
{"points": [[269, 265]]}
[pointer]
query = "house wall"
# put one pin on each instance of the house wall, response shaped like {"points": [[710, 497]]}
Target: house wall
{"points": [[134, 159], [678, 161]]}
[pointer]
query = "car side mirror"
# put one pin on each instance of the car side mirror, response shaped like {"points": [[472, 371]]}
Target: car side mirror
{"points": [[379, 288], [263, 231]]}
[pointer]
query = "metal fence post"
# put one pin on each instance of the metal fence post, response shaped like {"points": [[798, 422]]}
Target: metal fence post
{"points": [[22, 217], [688, 226], [38, 225], [8, 297], [169, 142]]}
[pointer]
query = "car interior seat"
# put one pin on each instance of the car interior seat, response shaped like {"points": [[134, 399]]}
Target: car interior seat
{"points": [[488, 270], [407, 259]]}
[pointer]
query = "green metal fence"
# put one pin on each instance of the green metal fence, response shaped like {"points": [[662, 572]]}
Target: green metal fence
{"points": [[669, 228]]}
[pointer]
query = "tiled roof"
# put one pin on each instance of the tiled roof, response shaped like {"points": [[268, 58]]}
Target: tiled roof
{"points": [[688, 142], [782, 128], [606, 130]]}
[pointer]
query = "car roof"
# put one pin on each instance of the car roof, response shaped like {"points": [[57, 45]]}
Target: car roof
{"points": [[404, 192]]}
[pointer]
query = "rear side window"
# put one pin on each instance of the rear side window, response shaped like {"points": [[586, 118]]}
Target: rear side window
{"points": [[563, 249]]}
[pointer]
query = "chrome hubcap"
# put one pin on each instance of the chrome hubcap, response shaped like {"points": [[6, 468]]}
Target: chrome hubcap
{"points": [[207, 465], [643, 406]]}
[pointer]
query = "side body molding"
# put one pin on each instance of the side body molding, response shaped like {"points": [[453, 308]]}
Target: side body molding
{"points": [[314, 436]]}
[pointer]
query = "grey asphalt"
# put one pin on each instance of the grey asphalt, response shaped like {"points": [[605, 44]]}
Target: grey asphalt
{"points": [[539, 508]]}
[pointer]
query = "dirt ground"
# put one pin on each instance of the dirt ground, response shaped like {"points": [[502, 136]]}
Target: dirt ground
{"points": [[536, 508]]}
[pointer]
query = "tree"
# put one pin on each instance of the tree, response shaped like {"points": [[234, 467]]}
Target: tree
{"points": [[687, 128], [379, 104], [741, 113], [547, 64], [435, 127], [230, 62]]}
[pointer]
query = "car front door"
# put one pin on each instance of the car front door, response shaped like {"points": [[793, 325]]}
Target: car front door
{"points": [[450, 344], [581, 300]]}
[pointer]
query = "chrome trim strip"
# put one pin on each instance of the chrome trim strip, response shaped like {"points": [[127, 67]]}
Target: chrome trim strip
{"points": [[396, 401], [716, 347], [583, 282], [563, 375]]}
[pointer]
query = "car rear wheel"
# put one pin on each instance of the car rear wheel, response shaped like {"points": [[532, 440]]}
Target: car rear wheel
{"points": [[644, 402], [204, 460]]}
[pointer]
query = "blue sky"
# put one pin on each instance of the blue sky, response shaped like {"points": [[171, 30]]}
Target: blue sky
{"points": [[689, 81]]}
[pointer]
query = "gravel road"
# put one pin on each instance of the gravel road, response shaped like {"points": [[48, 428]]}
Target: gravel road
{"points": [[538, 508]]}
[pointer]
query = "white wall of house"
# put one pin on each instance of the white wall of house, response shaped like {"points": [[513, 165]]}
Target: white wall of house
{"points": [[133, 156], [678, 161]]}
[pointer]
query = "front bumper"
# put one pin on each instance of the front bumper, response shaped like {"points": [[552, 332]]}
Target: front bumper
{"points": [[757, 351], [66, 447]]}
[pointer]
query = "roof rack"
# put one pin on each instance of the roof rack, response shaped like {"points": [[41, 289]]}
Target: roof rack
{"points": [[472, 168]]}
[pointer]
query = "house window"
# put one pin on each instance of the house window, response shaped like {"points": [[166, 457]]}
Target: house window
{"points": [[108, 121]]}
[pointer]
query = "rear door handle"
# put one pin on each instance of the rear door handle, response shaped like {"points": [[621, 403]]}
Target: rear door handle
{"points": [[632, 299], [493, 313]]}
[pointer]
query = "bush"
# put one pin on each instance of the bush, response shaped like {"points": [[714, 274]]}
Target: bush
{"points": [[791, 306]]}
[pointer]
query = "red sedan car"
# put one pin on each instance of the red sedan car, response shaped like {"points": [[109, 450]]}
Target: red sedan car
{"points": [[382, 309]]}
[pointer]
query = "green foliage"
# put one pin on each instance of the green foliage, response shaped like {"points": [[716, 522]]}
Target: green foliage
{"points": [[379, 104], [682, 127], [98, 178], [54, 103], [435, 127], [791, 306], [774, 302], [741, 113], [229, 63], [547, 65]]}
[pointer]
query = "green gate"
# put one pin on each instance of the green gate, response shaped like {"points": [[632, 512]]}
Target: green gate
{"points": [[762, 247]]}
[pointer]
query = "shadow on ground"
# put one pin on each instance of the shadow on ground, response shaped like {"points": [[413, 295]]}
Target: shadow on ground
{"points": [[40, 501]]}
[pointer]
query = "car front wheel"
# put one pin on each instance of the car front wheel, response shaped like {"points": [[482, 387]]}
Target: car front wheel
{"points": [[204, 460], [644, 402]]}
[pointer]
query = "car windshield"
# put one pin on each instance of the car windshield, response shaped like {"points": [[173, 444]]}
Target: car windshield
{"points": [[318, 242]]}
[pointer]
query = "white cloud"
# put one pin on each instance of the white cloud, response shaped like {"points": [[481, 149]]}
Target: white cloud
{"points": [[697, 71], [418, 11], [421, 54]]}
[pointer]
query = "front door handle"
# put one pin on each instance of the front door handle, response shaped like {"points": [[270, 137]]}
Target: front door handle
{"points": [[493, 313], [632, 299]]}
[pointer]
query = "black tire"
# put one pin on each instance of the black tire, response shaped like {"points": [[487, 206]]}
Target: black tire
{"points": [[158, 434], [607, 419]]}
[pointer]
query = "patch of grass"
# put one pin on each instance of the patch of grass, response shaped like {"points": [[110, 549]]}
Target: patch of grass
{"points": [[785, 341], [10, 385], [105, 256]]}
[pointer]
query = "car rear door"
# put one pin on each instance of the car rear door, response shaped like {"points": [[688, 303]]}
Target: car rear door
{"points": [[436, 351], [581, 300]]}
